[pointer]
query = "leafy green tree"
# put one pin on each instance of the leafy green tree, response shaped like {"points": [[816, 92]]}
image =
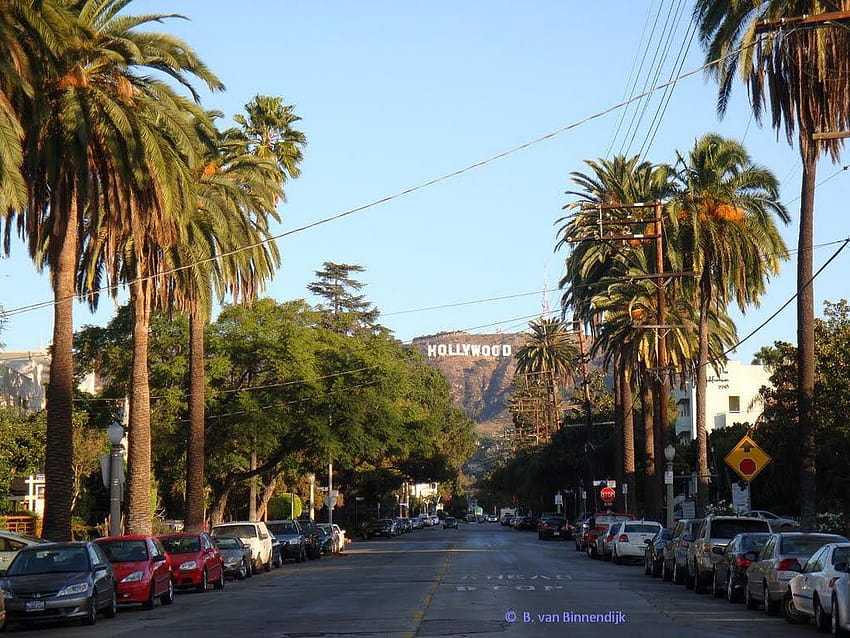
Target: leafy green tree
{"points": [[725, 209], [791, 73]]}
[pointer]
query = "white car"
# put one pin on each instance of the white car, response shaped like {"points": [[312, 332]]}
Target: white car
{"points": [[810, 592], [776, 521], [11, 543], [629, 542], [256, 535]]}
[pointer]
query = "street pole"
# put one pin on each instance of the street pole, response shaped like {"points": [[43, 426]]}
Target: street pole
{"points": [[116, 434], [331, 498], [312, 497], [669, 454]]}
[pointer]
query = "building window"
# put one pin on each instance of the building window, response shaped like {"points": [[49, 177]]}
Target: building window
{"points": [[684, 408], [734, 404]]}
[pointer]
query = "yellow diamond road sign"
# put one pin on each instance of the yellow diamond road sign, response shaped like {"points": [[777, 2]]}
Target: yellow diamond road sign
{"points": [[747, 458]]}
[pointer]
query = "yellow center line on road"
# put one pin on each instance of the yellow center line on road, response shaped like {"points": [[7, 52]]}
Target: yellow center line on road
{"points": [[419, 614]]}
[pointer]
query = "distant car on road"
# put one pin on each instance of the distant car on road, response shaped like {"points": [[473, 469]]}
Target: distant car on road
{"points": [[776, 522], [450, 521], [630, 539]]}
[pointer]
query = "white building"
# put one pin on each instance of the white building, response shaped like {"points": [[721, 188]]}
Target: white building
{"points": [[23, 379], [731, 397]]}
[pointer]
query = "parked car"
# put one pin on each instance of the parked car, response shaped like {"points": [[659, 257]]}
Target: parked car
{"points": [[776, 522], [653, 555], [809, 593], [59, 581], [555, 527], [630, 539], [600, 521], [253, 533], [779, 560], [685, 532], [492, 518], [840, 606], [450, 521], [291, 537], [141, 569], [582, 527], [716, 531], [313, 538], [325, 540], [236, 556], [194, 559], [11, 543], [595, 540], [730, 572], [337, 535]]}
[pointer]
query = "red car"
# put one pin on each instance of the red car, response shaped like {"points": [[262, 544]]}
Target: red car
{"points": [[195, 560], [141, 569]]}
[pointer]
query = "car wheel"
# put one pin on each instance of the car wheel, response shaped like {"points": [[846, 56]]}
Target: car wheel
{"points": [[249, 569], [267, 566], [168, 597], [615, 558], [821, 619], [688, 578], [243, 571], [771, 607], [219, 584], [699, 585], [202, 586], [112, 609], [277, 563], [837, 631], [647, 567], [749, 601], [666, 574], [91, 612], [791, 614], [300, 557], [149, 603], [731, 596]]}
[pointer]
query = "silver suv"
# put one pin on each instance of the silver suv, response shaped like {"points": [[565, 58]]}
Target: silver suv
{"points": [[716, 532]]}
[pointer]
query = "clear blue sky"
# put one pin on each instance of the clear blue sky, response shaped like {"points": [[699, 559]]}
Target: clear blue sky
{"points": [[395, 94]]}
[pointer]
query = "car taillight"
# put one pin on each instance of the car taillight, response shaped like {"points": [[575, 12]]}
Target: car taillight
{"points": [[565, 528], [623, 538], [788, 565], [743, 562], [547, 526]]}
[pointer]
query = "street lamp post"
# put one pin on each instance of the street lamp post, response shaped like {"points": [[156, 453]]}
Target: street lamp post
{"points": [[669, 454], [116, 434]]}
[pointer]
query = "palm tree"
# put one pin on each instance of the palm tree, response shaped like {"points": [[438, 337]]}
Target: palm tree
{"points": [[728, 236], [237, 197], [162, 129], [548, 356], [792, 71], [594, 265]]}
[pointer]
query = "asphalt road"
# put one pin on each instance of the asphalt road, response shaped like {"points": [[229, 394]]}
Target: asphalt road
{"points": [[479, 580]]}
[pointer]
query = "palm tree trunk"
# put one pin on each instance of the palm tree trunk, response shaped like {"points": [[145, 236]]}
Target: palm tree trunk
{"points": [[701, 387], [195, 493], [58, 473], [618, 427], [806, 339], [650, 503], [628, 433], [139, 431]]}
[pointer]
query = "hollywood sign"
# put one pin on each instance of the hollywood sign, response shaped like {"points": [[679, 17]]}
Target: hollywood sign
{"points": [[467, 350]]}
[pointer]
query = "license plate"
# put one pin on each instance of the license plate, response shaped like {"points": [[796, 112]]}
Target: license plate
{"points": [[35, 605], [556, 533]]}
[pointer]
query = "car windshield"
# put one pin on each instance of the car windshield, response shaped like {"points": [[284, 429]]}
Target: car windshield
{"points": [[240, 531], [50, 561], [641, 528], [753, 542], [124, 551], [729, 528], [279, 529], [802, 545], [228, 542], [181, 544]]}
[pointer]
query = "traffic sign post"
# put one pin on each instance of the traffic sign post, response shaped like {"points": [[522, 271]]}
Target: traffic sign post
{"points": [[747, 459], [607, 494]]}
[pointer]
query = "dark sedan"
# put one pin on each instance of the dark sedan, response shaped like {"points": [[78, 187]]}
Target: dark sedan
{"points": [[730, 573], [555, 527], [236, 556], [59, 581], [653, 558], [291, 536], [380, 527]]}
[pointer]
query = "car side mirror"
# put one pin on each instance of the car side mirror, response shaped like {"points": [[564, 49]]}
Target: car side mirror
{"points": [[159, 558], [720, 551]]}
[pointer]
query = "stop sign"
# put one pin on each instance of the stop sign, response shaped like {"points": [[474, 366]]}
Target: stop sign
{"points": [[607, 494]]}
